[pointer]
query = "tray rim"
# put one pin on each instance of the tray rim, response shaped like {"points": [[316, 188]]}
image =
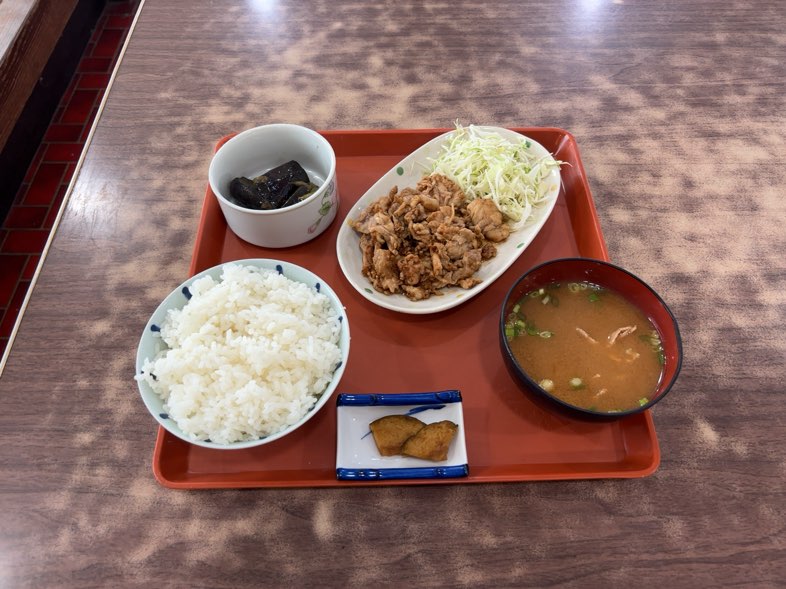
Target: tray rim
{"points": [[594, 222]]}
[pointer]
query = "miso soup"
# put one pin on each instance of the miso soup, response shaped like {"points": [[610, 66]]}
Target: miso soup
{"points": [[587, 346]]}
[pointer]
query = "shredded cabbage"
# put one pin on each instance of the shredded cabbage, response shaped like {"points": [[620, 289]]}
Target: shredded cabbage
{"points": [[487, 165]]}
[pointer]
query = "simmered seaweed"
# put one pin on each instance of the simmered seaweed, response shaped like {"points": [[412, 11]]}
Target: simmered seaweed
{"points": [[280, 187]]}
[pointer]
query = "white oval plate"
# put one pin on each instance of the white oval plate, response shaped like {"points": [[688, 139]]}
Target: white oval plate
{"points": [[407, 173]]}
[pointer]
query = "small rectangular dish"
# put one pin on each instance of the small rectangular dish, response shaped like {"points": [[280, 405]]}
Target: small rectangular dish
{"points": [[357, 456]]}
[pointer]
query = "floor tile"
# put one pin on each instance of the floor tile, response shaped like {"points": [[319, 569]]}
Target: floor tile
{"points": [[25, 217], [94, 81], [118, 21], [122, 8], [60, 132], [20, 194], [88, 125], [108, 43], [57, 202], [44, 185], [7, 324], [59, 113], [25, 241], [31, 171], [72, 86], [99, 28], [63, 152], [30, 267], [11, 267], [80, 106], [95, 65]]}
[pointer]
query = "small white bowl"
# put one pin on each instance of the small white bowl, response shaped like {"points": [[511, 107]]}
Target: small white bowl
{"points": [[260, 149], [151, 344]]}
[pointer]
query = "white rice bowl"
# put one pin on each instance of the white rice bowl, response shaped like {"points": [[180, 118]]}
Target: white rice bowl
{"points": [[254, 352]]}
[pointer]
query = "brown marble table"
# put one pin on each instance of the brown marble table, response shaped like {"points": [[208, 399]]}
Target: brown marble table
{"points": [[679, 111]]}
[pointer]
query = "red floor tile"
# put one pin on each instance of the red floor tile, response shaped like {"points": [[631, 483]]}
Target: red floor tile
{"points": [[44, 185], [80, 106], [89, 124], [95, 65], [55, 208], [12, 267], [58, 132], [31, 171], [25, 241], [108, 43], [20, 194], [7, 324], [63, 152], [93, 81], [30, 267], [117, 21], [122, 8], [72, 86], [59, 113], [99, 28], [49, 222], [23, 217]]}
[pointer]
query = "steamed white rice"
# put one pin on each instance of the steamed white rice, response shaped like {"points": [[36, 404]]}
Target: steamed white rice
{"points": [[247, 356]]}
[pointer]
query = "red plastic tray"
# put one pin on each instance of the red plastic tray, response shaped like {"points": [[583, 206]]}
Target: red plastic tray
{"points": [[508, 437]]}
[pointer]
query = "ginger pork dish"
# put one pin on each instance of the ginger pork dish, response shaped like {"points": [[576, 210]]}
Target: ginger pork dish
{"points": [[416, 241]]}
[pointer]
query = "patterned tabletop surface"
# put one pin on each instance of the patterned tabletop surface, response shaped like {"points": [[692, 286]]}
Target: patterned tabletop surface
{"points": [[679, 111]]}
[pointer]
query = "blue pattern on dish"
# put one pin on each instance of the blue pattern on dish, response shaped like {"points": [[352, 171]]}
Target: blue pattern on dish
{"points": [[382, 474], [186, 293], [435, 398], [424, 408]]}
